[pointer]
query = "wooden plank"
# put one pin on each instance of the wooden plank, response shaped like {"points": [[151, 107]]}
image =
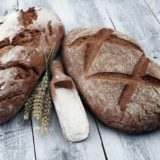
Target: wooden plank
{"points": [[77, 14], [120, 146], [53, 145], [16, 140], [134, 18], [64, 11], [154, 5], [22, 4], [8, 6], [87, 14]]}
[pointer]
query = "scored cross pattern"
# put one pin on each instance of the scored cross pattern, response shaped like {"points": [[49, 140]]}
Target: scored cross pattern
{"points": [[93, 45]]}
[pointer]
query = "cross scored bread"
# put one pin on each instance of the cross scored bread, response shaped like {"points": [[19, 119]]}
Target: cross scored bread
{"points": [[116, 79]]}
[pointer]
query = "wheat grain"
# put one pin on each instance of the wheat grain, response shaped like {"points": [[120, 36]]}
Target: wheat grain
{"points": [[38, 101], [47, 111], [28, 107]]}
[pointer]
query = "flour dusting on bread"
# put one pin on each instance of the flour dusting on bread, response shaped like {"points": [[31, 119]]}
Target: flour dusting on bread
{"points": [[13, 54], [43, 16], [11, 25], [120, 83], [27, 40]]}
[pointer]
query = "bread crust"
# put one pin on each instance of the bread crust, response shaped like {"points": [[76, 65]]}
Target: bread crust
{"points": [[26, 41], [120, 84]]}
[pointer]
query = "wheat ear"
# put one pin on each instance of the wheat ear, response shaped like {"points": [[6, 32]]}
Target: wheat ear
{"points": [[28, 108], [47, 111], [38, 101]]}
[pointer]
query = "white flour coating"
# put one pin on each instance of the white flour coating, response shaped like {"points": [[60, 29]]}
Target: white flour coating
{"points": [[13, 55], [10, 26], [71, 114], [43, 17], [7, 75]]}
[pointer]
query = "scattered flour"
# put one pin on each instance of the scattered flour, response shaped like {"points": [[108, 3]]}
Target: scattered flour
{"points": [[71, 114]]}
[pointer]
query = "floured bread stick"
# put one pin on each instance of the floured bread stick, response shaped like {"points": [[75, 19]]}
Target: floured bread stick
{"points": [[69, 108]]}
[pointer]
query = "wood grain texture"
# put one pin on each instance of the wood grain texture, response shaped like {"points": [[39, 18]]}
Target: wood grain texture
{"points": [[120, 146], [154, 5], [16, 140], [134, 18], [53, 145]]}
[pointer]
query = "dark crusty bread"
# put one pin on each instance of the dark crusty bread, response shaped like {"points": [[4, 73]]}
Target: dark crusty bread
{"points": [[119, 83], [26, 41]]}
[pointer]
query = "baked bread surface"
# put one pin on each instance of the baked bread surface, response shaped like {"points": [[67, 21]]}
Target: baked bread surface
{"points": [[115, 78], [26, 40]]}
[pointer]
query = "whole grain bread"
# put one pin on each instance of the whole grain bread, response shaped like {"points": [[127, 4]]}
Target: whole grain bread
{"points": [[116, 79], [27, 39]]}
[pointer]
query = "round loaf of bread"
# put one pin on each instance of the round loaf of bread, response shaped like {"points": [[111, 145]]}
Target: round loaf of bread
{"points": [[116, 79], [27, 39]]}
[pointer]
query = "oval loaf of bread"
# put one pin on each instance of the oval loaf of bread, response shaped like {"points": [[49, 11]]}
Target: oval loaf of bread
{"points": [[27, 39], [114, 76]]}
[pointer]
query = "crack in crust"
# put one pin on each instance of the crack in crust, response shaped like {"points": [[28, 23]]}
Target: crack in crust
{"points": [[17, 64], [11, 95], [93, 45], [26, 17], [4, 43], [125, 78], [24, 73], [138, 73], [27, 36]]}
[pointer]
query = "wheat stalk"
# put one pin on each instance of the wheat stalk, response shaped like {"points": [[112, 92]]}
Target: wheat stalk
{"points": [[46, 116], [38, 101], [27, 108]]}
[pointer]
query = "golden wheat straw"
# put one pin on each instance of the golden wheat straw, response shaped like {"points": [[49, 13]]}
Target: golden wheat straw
{"points": [[47, 111], [38, 101], [28, 107]]}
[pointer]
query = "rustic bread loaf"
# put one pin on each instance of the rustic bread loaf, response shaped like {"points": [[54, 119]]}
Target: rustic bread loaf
{"points": [[116, 79], [26, 41]]}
